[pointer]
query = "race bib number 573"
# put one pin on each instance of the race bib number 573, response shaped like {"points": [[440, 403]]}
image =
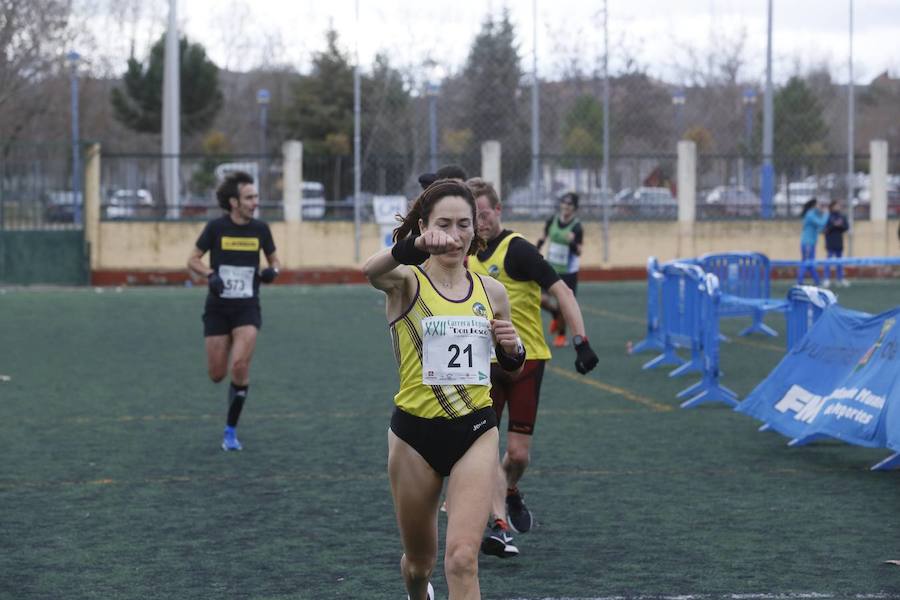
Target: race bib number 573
{"points": [[456, 351], [238, 281]]}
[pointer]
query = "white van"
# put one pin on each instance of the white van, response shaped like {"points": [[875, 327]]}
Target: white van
{"points": [[312, 200]]}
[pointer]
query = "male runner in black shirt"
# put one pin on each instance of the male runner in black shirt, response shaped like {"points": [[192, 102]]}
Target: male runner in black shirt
{"points": [[232, 316]]}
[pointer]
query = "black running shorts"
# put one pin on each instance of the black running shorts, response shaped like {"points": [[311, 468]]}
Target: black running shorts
{"points": [[222, 319], [442, 442]]}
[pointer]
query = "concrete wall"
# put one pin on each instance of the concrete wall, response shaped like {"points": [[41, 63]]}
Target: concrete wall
{"points": [[164, 246]]}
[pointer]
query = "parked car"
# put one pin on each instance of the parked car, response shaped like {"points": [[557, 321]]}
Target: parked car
{"points": [[129, 204], [789, 200], [646, 202], [521, 203], [312, 200], [732, 201], [59, 205]]}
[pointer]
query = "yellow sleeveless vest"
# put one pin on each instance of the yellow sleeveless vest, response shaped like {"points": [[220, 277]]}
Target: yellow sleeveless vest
{"points": [[434, 401], [524, 300]]}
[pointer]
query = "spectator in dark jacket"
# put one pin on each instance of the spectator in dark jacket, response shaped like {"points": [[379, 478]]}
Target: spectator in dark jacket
{"points": [[834, 241]]}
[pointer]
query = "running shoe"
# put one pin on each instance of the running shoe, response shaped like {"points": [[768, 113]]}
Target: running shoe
{"points": [[498, 541], [430, 592], [559, 341], [230, 441], [520, 518]]}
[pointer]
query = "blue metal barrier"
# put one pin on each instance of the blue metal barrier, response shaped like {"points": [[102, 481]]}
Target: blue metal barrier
{"points": [[680, 316], [744, 278], [708, 389], [805, 305], [653, 340], [862, 261]]}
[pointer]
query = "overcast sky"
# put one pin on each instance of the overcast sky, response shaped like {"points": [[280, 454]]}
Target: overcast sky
{"points": [[242, 34]]}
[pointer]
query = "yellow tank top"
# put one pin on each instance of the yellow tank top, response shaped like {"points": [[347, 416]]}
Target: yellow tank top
{"points": [[524, 300], [433, 401]]}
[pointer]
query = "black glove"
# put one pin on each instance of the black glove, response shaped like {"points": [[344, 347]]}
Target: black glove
{"points": [[216, 285], [268, 275], [586, 359]]}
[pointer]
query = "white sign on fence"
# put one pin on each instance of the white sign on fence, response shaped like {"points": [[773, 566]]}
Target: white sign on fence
{"points": [[386, 209]]}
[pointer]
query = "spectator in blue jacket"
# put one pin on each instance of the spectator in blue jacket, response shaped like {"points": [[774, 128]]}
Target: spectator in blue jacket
{"points": [[814, 220], [834, 241]]}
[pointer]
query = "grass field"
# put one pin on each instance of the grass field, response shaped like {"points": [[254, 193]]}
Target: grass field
{"points": [[113, 484]]}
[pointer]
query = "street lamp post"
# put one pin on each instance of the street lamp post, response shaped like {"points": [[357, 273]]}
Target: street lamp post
{"points": [[749, 100], [262, 100], [431, 91], [678, 99], [77, 193]]}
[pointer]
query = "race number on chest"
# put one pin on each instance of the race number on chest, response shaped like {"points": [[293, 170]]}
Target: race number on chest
{"points": [[558, 254], [456, 351], [238, 281]]}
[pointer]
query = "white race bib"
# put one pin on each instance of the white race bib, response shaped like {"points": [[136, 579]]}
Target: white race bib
{"points": [[238, 281], [558, 254], [456, 351]]}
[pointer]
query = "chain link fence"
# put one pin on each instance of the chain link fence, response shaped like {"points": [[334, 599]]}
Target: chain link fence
{"points": [[423, 105], [36, 188]]}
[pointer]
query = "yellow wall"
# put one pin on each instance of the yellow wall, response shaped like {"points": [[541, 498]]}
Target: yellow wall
{"points": [[323, 244]]}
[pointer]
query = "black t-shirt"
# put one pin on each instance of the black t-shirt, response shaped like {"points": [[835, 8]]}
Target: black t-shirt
{"points": [[523, 262], [234, 254]]}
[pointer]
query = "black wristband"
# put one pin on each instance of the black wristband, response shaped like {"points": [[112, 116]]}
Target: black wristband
{"points": [[406, 253], [507, 362]]}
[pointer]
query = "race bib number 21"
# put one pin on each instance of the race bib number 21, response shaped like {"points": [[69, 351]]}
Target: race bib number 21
{"points": [[456, 351]]}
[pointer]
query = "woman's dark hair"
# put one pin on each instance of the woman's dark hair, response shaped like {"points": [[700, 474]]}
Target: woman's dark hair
{"points": [[571, 198], [231, 188], [425, 203], [810, 204]]}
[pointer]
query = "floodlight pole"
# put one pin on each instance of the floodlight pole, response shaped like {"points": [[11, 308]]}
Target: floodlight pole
{"points": [[851, 135], [604, 183], [262, 99], [767, 183], [535, 112], [432, 93], [77, 193], [357, 159], [171, 126]]}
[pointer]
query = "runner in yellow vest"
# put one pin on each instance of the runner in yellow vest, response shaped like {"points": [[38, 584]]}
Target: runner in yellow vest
{"points": [[444, 323], [518, 265], [565, 235]]}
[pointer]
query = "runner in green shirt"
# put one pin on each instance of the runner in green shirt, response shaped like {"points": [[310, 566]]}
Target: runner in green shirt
{"points": [[564, 235]]}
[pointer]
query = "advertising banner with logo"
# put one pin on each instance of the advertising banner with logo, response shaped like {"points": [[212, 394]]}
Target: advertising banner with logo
{"points": [[841, 380]]}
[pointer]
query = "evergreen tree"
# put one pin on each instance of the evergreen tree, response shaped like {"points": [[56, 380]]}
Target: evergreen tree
{"points": [[138, 104], [493, 109], [799, 128], [583, 128]]}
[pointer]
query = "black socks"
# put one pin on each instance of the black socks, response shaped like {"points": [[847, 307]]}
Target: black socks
{"points": [[237, 394]]}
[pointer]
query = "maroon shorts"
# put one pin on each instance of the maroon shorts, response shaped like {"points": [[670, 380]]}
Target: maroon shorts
{"points": [[521, 394]]}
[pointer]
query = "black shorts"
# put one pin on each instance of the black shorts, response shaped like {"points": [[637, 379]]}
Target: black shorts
{"points": [[222, 319], [571, 280], [442, 442], [520, 393]]}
